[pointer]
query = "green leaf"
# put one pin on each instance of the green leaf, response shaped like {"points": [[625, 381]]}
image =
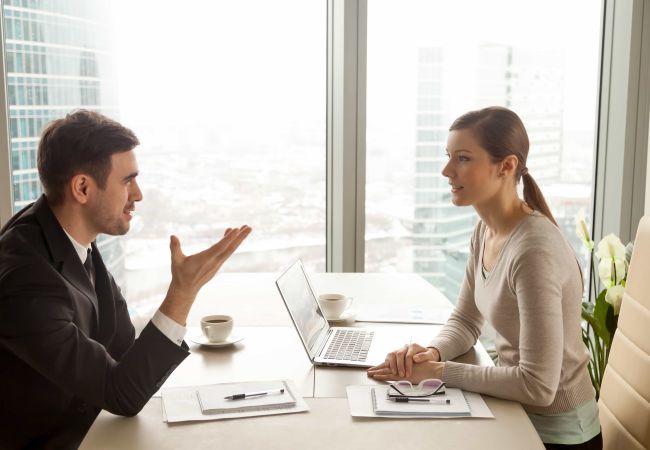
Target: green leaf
{"points": [[600, 318], [585, 337], [611, 320], [595, 374]]}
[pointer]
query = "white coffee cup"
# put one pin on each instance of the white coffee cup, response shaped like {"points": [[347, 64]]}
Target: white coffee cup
{"points": [[216, 328], [334, 305]]}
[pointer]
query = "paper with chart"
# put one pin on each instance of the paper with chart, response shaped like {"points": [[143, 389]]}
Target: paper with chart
{"points": [[451, 403], [400, 313]]}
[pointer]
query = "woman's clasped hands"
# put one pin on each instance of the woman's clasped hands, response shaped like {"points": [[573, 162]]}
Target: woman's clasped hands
{"points": [[411, 362]]}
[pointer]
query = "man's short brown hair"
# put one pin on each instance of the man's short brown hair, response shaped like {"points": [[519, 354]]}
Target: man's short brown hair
{"points": [[82, 142]]}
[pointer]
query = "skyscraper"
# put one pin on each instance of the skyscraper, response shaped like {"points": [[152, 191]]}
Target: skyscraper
{"points": [[57, 58], [529, 82], [440, 230]]}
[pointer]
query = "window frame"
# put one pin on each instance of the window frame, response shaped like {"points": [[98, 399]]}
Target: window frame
{"points": [[6, 178], [622, 145]]}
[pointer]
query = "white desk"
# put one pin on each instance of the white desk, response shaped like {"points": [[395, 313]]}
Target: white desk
{"points": [[271, 349], [265, 353]]}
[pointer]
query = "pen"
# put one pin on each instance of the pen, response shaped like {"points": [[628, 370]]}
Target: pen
{"points": [[253, 394], [433, 401]]}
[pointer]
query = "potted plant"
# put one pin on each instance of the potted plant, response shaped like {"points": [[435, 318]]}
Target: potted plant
{"points": [[600, 312]]}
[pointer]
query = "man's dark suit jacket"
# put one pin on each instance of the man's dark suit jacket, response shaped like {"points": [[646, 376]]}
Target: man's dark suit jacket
{"points": [[67, 350]]}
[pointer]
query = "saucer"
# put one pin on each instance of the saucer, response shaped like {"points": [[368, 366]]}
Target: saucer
{"points": [[202, 340], [347, 315]]}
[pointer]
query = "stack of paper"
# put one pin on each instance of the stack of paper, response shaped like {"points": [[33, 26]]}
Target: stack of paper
{"points": [[360, 401], [181, 404], [452, 403], [214, 399]]}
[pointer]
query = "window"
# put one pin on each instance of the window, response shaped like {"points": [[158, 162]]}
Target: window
{"points": [[229, 107], [231, 114], [438, 62]]}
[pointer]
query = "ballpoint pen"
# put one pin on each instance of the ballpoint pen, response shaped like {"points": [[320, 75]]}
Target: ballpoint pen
{"points": [[433, 401], [253, 394]]}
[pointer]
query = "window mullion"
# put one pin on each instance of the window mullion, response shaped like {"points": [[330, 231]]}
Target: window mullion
{"points": [[346, 83], [6, 189], [6, 186]]}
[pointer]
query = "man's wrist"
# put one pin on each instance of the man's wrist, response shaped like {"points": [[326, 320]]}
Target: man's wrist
{"points": [[173, 330], [177, 304], [180, 295]]}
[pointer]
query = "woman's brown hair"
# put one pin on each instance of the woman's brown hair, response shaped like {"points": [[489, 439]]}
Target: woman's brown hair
{"points": [[502, 133]]}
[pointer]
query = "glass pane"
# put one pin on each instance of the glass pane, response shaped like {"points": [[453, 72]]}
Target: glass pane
{"points": [[58, 58], [442, 59], [229, 107], [46, 53]]}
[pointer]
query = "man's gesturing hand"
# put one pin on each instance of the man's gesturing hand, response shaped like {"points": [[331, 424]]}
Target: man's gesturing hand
{"points": [[190, 273]]}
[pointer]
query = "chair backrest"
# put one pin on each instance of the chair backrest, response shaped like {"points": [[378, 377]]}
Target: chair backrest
{"points": [[624, 402]]}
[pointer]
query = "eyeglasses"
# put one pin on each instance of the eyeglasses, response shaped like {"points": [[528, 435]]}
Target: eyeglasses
{"points": [[426, 388]]}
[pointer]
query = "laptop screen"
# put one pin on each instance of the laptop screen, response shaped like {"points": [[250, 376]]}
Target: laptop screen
{"points": [[303, 307]]}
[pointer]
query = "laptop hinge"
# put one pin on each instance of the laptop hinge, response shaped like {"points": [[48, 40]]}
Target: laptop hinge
{"points": [[322, 344]]}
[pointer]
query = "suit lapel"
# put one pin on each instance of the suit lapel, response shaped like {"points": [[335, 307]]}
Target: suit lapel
{"points": [[64, 254]]}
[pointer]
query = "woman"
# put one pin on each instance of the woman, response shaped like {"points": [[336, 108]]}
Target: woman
{"points": [[522, 277]]}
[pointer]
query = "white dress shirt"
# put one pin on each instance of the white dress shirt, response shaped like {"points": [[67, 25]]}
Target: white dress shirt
{"points": [[170, 328]]}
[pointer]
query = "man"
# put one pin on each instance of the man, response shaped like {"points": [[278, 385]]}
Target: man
{"points": [[67, 345]]}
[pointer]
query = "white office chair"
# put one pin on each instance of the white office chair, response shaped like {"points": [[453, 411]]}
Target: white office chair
{"points": [[624, 402]]}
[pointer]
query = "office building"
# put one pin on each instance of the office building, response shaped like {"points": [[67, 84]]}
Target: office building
{"points": [[440, 230], [531, 83], [58, 58], [526, 81]]}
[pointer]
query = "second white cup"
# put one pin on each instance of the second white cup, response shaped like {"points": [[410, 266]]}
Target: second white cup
{"points": [[334, 305], [216, 328]]}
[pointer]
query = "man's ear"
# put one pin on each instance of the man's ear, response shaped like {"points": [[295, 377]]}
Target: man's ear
{"points": [[80, 187], [508, 166]]}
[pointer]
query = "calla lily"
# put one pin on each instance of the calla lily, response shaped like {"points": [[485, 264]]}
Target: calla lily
{"points": [[614, 297], [599, 328], [582, 231], [611, 247], [606, 269]]}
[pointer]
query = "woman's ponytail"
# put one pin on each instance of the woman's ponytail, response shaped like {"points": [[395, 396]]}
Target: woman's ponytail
{"points": [[534, 198]]}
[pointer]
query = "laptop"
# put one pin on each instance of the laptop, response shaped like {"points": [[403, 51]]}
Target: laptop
{"points": [[325, 345]]}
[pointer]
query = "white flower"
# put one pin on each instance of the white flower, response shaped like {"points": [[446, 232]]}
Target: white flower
{"points": [[606, 269], [611, 247], [614, 297], [612, 267], [582, 231]]}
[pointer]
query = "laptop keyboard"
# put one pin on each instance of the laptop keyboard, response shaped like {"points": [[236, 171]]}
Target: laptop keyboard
{"points": [[350, 345]]}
